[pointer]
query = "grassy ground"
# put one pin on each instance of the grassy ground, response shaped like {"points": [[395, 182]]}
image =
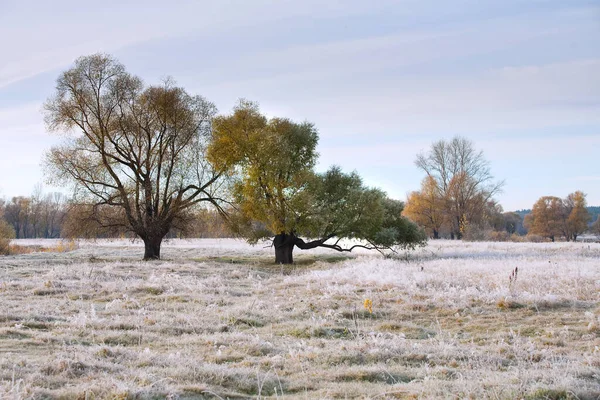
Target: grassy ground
{"points": [[215, 319]]}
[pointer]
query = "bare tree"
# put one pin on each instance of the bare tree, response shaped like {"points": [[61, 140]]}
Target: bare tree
{"points": [[54, 212], [134, 149], [463, 179]]}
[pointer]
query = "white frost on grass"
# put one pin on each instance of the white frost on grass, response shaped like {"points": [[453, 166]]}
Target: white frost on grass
{"points": [[545, 273], [217, 316]]}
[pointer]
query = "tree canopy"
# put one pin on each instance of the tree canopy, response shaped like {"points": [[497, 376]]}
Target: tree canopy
{"points": [[135, 149], [279, 195]]}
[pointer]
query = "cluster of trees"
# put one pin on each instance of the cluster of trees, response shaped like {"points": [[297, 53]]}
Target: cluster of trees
{"points": [[553, 217], [36, 216], [457, 192], [143, 159], [155, 161], [52, 216], [456, 201]]}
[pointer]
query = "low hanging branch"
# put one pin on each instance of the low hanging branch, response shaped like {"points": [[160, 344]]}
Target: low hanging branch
{"points": [[278, 195]]}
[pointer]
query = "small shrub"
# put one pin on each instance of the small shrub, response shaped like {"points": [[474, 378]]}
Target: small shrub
{"points": [[15, 249], [516, 238], [507, 304], [498, 236], [474, 233], [64, 246], [535, 238]]}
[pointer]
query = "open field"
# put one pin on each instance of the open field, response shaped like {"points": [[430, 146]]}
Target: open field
{"points": [[216, 319]]}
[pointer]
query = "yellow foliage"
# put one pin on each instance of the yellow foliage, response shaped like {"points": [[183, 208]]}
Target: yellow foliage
{"points": [[368, 305], [426, 207]]}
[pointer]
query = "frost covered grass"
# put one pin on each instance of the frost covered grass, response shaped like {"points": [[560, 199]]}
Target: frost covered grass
{"points": [[216, 319]]}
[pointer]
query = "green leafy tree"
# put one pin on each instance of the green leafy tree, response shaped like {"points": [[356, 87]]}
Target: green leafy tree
{"points": [[278, 195]]}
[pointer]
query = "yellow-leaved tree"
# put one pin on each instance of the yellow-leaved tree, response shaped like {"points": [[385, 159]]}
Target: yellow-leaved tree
{"points": [[554, 217], [578, 216], [545, 217], [426, 207]]}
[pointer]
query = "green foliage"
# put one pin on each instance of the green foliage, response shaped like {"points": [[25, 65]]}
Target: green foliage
{"points": [[271, 161], [277, 191], [397, 230], [343, 207]]}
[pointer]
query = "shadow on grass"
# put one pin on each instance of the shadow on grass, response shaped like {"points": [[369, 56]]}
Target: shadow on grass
{"points": [[266, 264]]}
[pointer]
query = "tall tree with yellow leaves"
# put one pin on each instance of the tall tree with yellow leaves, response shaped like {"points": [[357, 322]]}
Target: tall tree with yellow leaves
{"points": [[426, 207], [578, 216], [545, 217]]}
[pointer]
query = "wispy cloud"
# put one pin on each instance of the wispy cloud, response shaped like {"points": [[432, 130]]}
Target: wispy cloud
{"points": [[380, 80]]}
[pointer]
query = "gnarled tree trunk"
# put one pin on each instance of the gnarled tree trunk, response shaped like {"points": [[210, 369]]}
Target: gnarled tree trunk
{"points": [[152, 247], [284, 248]]}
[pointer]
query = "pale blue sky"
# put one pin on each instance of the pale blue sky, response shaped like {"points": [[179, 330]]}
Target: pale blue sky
{"points": [[381, 80]]}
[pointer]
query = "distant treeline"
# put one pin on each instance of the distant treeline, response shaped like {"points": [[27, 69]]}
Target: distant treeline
{"points": [[53, 216], [594, 212]]}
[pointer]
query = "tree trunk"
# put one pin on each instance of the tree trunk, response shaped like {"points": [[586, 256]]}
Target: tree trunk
{"points": [[284, 247], [152, 247]]}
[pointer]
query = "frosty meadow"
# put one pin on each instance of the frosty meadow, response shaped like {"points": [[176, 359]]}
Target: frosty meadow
{"points": [[216, 319]]}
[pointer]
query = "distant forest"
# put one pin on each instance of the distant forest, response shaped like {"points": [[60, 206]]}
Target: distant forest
{"points": [[54, 216], [593, 210]]}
